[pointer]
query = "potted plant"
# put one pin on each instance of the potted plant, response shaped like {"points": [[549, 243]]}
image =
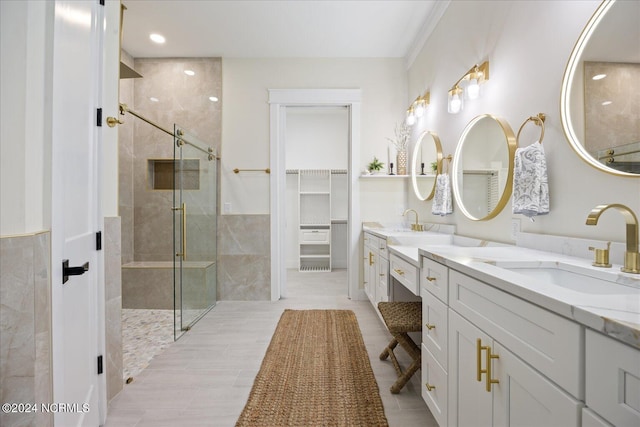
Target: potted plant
{"points": [[375, 166]]}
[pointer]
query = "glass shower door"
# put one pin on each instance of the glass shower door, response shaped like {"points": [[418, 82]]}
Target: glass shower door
{"points": [[195, 223]]}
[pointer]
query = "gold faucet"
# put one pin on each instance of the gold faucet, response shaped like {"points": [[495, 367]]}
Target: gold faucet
{"points": [[631, 255], [416, 226]]}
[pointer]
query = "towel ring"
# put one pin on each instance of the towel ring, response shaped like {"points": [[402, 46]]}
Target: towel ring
{"points": [[448, 158], [538, 120]]}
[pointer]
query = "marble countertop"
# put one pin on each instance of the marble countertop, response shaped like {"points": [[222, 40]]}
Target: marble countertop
{"points": [[603, 299], [610, 304]]}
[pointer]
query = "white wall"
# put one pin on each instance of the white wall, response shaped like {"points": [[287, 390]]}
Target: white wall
{"points": [[317, 138], [245, 122], [24, 124], [528, 44]]}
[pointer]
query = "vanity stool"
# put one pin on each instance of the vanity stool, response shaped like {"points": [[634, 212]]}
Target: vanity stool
{"points": [[401, 318]]}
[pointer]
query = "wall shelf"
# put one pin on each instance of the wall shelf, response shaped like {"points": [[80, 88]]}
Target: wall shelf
{"points": [[384, 176]]}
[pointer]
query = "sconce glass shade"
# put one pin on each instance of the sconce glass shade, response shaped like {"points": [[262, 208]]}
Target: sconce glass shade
{"points": [[455, 100], [473, 89], [411, 117], [419, 108]]}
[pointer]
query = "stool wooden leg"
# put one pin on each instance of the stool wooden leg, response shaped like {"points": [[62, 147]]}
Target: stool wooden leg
{"points": [[405, 377], [389, 348]]}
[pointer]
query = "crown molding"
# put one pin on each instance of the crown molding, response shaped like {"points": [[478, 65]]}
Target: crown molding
{"points": [[439, 7]]}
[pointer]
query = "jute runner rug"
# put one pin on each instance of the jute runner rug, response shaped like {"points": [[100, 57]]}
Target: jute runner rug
{"points": [[316, 372]]}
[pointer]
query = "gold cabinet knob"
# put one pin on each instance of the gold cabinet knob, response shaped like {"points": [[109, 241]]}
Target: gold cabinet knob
{"points": [[431, 279], [430, 387], [400, 272], [430, 326]]}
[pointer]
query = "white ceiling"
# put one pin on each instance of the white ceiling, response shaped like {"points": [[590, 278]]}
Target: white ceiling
{"points": [[279, 29]]}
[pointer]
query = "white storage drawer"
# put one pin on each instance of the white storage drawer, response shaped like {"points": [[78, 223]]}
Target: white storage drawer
{"points": [[405, 273], [612, 379], [591, 419], [435, 326], [434, 277], [435, 388], [548, 342], [315, 236]]}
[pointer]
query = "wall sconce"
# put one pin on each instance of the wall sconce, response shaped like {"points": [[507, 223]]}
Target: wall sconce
{"points": [[472, 80], [417, 108]]}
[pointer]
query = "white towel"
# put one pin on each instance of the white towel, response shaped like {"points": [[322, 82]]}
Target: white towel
{"points": [[442, 199], [530, 185]]}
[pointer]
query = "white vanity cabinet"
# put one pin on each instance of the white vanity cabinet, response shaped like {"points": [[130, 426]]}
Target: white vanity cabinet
{"points": [[508, 362], [612, 381], [376, 269], [370, 265]]}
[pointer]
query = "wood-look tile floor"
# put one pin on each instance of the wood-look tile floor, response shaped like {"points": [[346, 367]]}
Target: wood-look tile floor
{"points": [[205, 377]]}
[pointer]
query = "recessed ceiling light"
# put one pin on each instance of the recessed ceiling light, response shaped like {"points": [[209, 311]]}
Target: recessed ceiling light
{"points": [[190, 72], [599, 77], [157, 38], [605, 103], [154, 99], [213, 98]]}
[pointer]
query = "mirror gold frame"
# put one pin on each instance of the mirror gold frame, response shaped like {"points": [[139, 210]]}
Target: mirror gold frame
{"points": [[511, 145], [414, 165], [575, 61]]}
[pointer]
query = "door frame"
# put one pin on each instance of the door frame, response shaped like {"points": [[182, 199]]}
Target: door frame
{"points": [[279, 100]]}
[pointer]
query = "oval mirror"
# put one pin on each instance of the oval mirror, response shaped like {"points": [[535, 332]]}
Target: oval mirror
{"points": [[483, 167], [427, 163], [599, 104]]}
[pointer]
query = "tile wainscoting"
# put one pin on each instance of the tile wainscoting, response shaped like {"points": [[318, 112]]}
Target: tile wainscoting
{"points": [[25, 318], [244, 257]]}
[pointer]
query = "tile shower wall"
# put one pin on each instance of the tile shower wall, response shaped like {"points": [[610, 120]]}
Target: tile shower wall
{"points": [[244, 257], [183, 100], [25, 316]]}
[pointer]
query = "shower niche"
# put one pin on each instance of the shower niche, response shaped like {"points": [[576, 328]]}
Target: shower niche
{"points": [[163, 173]]}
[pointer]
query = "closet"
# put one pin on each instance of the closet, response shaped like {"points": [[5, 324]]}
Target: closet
{"points": [[317, 195]]}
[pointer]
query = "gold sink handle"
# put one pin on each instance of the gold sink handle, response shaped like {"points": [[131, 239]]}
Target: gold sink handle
{"points": [[601, 256]]}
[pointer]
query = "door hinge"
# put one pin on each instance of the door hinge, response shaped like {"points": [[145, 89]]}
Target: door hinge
{"points": [[100, 370], [99, 241], [99, 117]]}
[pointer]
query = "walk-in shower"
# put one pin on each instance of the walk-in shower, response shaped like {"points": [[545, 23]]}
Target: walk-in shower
{"points": [[174, 223]]}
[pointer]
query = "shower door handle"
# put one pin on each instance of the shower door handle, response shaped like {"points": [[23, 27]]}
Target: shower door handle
{"points": [[183, 223]]}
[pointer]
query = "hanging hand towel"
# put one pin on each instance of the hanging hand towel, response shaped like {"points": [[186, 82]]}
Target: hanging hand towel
{"points": [[442, 199], [530, 185]]}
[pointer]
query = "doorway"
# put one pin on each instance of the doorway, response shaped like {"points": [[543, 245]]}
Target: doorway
{"points": [[280, 100]]}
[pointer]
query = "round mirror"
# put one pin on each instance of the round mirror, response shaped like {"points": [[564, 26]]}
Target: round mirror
{"points": [[599, 104], [483, 167], [427, 163]]}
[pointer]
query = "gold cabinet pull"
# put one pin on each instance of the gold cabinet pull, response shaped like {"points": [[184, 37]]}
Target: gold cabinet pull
{"points": [[431, 279], [370, 258], [479, 370], [430, 387], [430, 326], [400, 272], [488, 370]]}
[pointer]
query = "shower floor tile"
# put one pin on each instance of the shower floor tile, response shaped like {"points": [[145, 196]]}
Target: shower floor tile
{"points": [[145, 334]]}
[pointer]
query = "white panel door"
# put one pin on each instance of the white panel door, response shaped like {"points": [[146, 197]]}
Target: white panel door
{"points": [[76, 81]]}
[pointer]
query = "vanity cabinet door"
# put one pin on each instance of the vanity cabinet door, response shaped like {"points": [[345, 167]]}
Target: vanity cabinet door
{"points": [[612, 379], [523, 396], [382, 291], [469, 403]]}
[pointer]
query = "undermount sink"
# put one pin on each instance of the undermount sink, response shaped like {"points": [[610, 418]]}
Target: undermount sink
{"points": [[572, 277]]}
